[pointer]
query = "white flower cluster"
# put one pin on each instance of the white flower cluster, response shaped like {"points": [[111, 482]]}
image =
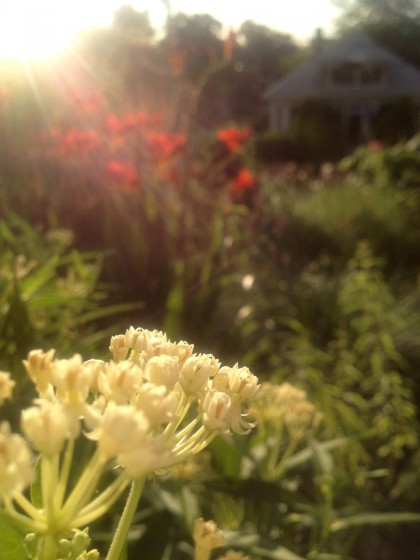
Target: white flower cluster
{"points": [[152, 405]]}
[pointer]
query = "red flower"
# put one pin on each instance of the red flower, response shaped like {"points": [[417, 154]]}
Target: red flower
{"points": [[244, 180], [234, 138], [76, 142], [122, 171], [130, 122], [164, 145]]}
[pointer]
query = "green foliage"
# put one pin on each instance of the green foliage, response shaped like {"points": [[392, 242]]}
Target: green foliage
{"points": [[12, 543], [49, 293], [394, 167]]}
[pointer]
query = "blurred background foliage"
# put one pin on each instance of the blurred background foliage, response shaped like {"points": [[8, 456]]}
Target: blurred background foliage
{"points": [[139, 187]]}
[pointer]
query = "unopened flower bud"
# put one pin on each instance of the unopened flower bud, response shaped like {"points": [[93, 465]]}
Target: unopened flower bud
{"points": [[157, 402], [196, 372], [49, 425], [217, 411], [39, 367], [163, 370]]}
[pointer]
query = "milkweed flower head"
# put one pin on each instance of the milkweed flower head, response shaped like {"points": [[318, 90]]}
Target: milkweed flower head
{"points": [[153, 405], [286, 405]]}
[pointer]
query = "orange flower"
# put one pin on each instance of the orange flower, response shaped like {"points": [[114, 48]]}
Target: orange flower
{"points": [[244, 180], [234, 138]]}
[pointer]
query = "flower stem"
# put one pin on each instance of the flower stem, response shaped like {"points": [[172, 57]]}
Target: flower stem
{"points": [[64, 475], [49, 548], [84, 488], [101, 503], [121, 533]]}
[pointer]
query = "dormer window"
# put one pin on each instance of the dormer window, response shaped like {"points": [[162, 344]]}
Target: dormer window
{"points": [[357, 73]]}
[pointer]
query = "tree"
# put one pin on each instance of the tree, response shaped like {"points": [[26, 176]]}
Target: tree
{"points": [[393, 23], [136, 24]]}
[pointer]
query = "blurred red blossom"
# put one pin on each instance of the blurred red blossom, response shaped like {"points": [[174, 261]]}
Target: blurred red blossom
{"points": [[75, 142], [131, 122], [234, 138], [123, 171], [244, 180], [165, 144]]}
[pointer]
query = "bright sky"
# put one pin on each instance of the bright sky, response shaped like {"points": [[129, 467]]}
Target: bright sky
{"points": [[33, 28]]}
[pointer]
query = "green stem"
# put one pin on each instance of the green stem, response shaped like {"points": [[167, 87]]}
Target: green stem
{"points": [[64, 475], [48, 548], [183, 407], [49, 477], [102, 503], [84, 488], [28, 508], [202, 553], [278, 471], [121, 533], [29, 523]]}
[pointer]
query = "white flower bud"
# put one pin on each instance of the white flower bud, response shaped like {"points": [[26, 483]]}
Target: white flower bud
{"points": [[72, 379], [120, 381], [182, 350], [156, 343], [49, 425], [6, 386], [163, 370], [196, 372], [122, 428], [147, 456], [136, 339], [15, 462], [95, 368], [237, 381], [118, 347], [217, 411], [39, 367], [157, 402]]}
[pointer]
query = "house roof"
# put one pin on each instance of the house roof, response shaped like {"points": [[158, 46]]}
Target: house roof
{"points": [[309, 81]]}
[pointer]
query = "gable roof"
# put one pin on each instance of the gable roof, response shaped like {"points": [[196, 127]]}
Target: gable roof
{"points": [[309, 81]]}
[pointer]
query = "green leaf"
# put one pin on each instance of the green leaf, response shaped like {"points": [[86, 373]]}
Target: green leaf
{"points": [[308, 453], [12, 539], [374, 519], [227, 456], [280, 553]]}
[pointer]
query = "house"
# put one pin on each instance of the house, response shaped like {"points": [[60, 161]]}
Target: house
{"points": [[353, 76]]}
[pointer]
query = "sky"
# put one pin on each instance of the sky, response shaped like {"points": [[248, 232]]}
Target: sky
{"points": [[34, 28]]}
